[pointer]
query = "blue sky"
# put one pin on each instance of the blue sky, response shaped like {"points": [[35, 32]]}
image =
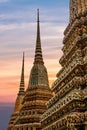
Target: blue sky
{"points": [[18, 33]]}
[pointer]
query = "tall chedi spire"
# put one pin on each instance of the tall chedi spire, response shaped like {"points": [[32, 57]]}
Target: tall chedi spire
{"points": [[38, 51], [19, 100], [37, 76], [67, 110], [38, 92]]}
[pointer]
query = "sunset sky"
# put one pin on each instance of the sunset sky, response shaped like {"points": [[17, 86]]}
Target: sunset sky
{"points": [[18, 33]]}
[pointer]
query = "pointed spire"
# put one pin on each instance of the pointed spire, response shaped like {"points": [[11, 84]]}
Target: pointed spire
{"points": [[38, 51], [21, 89]]}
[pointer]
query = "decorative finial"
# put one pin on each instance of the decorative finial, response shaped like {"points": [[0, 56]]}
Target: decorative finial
{"points": [[21, 89], [38, 51], [37, 15]]}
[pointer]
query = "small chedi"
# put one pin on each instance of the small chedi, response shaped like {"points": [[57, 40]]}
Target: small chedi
{"points": [[28, 111], [67, 110], [19, 100]]}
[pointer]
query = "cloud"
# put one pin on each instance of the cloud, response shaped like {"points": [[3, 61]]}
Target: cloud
{"points": [[6, 104], [16, 38], [23, 36], [18, 34], [2, 1], [5, 27]]}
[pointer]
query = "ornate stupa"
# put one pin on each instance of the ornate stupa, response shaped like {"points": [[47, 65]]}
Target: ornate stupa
{"points": [[19, 100], [38, 92], [67, 110]]}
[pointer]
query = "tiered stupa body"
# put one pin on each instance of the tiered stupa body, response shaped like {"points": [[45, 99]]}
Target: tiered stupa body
{"points": [[19, 100], [67, 110], [37, 94]]}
